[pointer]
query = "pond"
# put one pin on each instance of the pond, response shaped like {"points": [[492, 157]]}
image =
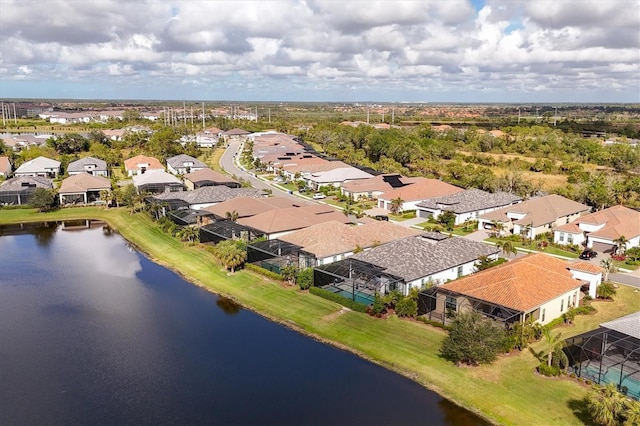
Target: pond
{"points": [[93, 332]]}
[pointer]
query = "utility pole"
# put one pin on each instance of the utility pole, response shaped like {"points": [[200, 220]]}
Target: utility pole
{"points": [[269, 112], [15, 118], [3, 116], [256, 113], [203, 116], [184, 113], [555, 117], [367, 115], [518, 115], [537, 114], [393, 115], [192, 118]]}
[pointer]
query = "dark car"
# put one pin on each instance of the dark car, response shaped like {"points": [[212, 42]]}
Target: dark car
{"points": [[588, 254], [381, 217]]}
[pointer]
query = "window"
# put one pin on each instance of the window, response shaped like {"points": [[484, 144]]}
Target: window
{"points": [[543, 312], [569, 238], [450, 304], [568, 302], [459, 271], [562, 305], [561, 237]]}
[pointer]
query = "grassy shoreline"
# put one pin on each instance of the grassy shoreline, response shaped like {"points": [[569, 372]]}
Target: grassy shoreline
{"points": [[507, 392]]}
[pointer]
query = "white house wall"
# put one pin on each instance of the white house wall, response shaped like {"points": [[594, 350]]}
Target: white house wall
{"points": [[443, 276], [556, 307], [593, 279]]}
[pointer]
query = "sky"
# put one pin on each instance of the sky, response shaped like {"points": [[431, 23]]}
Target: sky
{"points": [[327, 51]]}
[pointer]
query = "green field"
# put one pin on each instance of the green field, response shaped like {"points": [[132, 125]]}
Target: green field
{"points": [[506, 392]]}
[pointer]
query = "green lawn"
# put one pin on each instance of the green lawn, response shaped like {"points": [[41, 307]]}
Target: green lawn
{"points": [[212, 159], [507, 392], [549, 250]]}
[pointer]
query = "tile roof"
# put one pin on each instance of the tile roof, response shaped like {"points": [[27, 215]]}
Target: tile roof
{"points": [[208, 175], [38, 165], [179, 161], [79, 165], [338, 175], [246, 207], [538, 211], [236, 132], [421, 190], [19, 183], [378, 183], [522, 284], [292, 218], [470, 200], [84, 182], [329, 238], [133, 162], [416, 257], [5, 166], [629, 325], [585, 267], [617, 221], [210, 194], [154, 176]]}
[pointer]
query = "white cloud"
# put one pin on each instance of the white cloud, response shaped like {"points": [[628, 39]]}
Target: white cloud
{"points": [[413, 47]]}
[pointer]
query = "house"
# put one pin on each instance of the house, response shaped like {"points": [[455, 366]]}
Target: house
{"points": [[208, 177], [204, 197], [140, 164], [156, 182], [5, 166], [590, 274], [235, 134], [41, 166], [466, 205], [374, 186], [83, 188], [18, 190], [247, 207], [91, 165], [183, 164], [609, 354], [534, 216], [278, 222], [537, 287], [601, 229], [335, 177], [420, 190]]}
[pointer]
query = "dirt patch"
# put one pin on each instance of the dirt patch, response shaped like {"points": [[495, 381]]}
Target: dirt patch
{"points": [[336, 314]]}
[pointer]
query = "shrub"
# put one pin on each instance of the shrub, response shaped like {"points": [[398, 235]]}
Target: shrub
{"points": [[585, 310], [606, 290], [548, 370], [407, 307], [378, 306], [305, 278], [355, 306], [472, 339], [437, 324]]}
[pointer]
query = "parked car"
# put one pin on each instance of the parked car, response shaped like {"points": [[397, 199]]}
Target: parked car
{"points": [[381, 217], [588, 254], [319, 196]]}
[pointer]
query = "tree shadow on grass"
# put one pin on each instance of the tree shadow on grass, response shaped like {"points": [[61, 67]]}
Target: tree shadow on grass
{"points": [[579, 408]]}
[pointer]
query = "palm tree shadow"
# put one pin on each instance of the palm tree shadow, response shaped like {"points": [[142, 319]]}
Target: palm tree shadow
{"points": [[579, 408]]}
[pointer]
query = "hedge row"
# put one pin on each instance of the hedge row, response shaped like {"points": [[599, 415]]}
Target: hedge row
{"points": [[433, 323], [263, 271], [355, 306]]}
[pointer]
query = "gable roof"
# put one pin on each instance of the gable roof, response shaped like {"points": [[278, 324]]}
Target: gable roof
{"points": [[585, 267], [246, 206], [84, 182], [79, 165], [522, 284], [19, 183], [339, 175], [155, 176], [210, 194], [629, 325], [538, 211], [236, 132], [416, 257], [617, 220], [292, 218], [208, 175], [179, 161], [133, 162], [38, 165], [380, 183], [5, 166], [470, 200], [421, 189]]}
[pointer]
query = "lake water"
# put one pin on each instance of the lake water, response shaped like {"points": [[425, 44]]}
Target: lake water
{"points": [[92, 332]]}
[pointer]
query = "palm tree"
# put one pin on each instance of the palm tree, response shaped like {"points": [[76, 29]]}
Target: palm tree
{"points": [[632, 413], [606, 405], [507, 247], [553, 355], [230, 254], [497, 227], [396, 205], [232, 216], [608, 267], [189, 233], [621, 244]]}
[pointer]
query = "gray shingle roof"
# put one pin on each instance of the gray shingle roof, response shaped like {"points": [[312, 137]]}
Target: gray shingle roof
{"points": [[415, 257], [20, 183], [210, 194], [629, 325], [179, 160], [470, 200], [79, 165]]}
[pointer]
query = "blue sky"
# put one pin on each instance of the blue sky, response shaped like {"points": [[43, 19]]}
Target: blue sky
{"points": [[391, 51]]}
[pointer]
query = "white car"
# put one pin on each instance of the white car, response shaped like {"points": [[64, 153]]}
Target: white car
{"points": [[319, 196]]}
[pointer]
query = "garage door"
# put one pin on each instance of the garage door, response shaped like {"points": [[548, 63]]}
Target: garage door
{"points": [[603, 247]]}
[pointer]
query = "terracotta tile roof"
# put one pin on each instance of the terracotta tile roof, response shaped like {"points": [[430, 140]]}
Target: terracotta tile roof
{"points": [[290, 219], [585, 267], [84, 182], [616, 221], [522, 284], [538, 211], [313, 166], [209, 176], [133, 162], [252, 206], [421, 190], [5, 166]]}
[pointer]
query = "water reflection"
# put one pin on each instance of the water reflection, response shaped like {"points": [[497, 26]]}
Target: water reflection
{"points": [[228, 306], [44, 234]]}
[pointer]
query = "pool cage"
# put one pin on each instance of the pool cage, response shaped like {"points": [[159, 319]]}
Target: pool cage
{"points": [[187, 217], [227, 230], [273, 255], [357, 280], [606, 356]]}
